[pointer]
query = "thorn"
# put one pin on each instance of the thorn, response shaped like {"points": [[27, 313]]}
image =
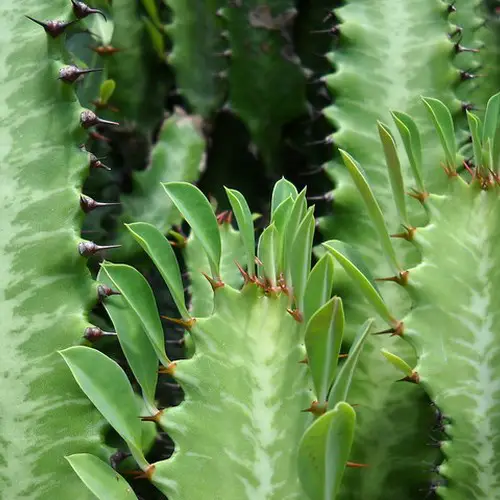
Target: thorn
{"points": [[185, 324], [105, 50], [435, 443], [408, 235], [304, 361], [53, 28], [258, 261], [81, 10], [343, 356], [467, 106], [70, 74], [314, 171], [214, 283], [153, 418], [328, 140], [296, 315], [282, 284], [168, 370], [466, 75], [400, 279], [226, 53], [246, 277], [458, 31], [460, 48], [221, 75], [316, 408], [451, 8], [89, 248], [414, 378], [96, 163], [118, 457], [395, 330], [98, 137], [225, 217], [178, 342], [139, 474], [89, 119], [421, 196], [355, 464], [88, 204], [324, 197], [334, 31], [93, 333], [104, 291]]}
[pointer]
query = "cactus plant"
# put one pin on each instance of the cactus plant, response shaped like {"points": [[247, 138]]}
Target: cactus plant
{"points": [[249, 395], [46, 290], [452, 317]]}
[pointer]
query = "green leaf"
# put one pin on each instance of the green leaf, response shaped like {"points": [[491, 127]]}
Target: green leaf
{"points": [[245, 225], [106, 90], [152, 10], [157, 38], [319, 286], [443, 122], [342, 384], [475, 130], [282, 190], [296, 215], [410, 136], [107, 386], [268, 253], [399, 363], [491, 119], [324, 451], [323, 339], [365, 286], [373, 208], [395, 175], [300, 257], [102, 480], [136, 291], [280, 219], [197, 211], [135, 343], [159, 249]]}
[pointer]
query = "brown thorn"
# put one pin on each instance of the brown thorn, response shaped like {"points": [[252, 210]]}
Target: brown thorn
{"points": [[99, 137], [414, 378], [88, 204], [168, 370], [185, 324], [89, 119], [408, 235], [104, 50], [400, 279], [316, 408], [104, 291], [355, 464], [225, 217], [395, 330], [153, 418], [420, 196], [93, 333], [53, 28], [218, 283], [246, 277], [96, 163], [296, 315], [304, 361], [89, 248], [81, 10], [341, 356], [70, 74], [139, 474]]}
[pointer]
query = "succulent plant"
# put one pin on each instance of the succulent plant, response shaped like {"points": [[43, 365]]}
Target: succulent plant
{"points": [[451, 319], [265, 413]]}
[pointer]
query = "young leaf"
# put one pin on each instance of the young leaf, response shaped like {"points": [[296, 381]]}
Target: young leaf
{"points": [[491, 119], [268, 253], [136, 291], [365, 286], [323, 338], [135, 343], [443, 122], [300, 257], [102, 480], [196, 209], [106, 90], [395, 175], [324, 450], [410, 136], [107, 386], [319, 286], [280, 220], [160, 251], [373, 208], [245, 225], [296, 215], [397, 362], [342, 384], [475, 130], [282, 190]]}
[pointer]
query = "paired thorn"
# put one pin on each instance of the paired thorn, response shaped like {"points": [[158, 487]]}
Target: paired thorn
{"points": [[97, 163], [296, 315], [168, 370], [104, 291], [89, 248], [225, 217], [70, 74], [185, 324], [53, 28], [94, 333], [414, 378], [153, 418], [398, 330], [89, 119], [88, 204], [139, 474], [317, 408], [420, 196], [407, 235], [81, 10], [401, 278], [246, 277], [214, 283]]}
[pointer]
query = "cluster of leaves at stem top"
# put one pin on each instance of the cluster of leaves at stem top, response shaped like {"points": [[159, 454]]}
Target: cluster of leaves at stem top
{"points": [[375, 55], [46, 289], [265, 397], [452, 322]]}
